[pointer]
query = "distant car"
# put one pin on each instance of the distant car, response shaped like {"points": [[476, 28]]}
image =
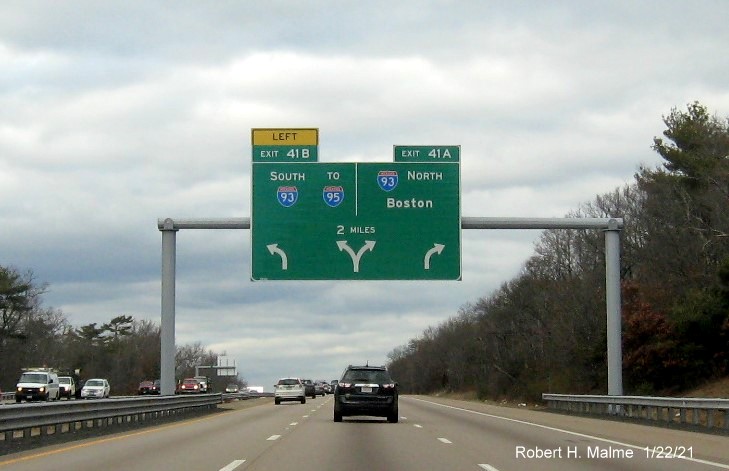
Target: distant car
{"points": [[310, 388], [289, 389], [68, 386], [232, 388], [190, 385], [319, 389], [96, 388], [366, 390], [149, 387], [205, 384], [333, 384]]}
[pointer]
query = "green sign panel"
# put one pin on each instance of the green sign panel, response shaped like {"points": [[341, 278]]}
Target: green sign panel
{"points": [[355, 221], [427, 153], [285, 153]]}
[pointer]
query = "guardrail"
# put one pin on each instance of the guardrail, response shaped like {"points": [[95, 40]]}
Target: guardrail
{"points": [[706, 413], [239, 396], [19, 422]]}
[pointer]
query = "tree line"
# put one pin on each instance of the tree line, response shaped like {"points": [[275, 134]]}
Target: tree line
{"points": [[545, 330], [123, 350]]}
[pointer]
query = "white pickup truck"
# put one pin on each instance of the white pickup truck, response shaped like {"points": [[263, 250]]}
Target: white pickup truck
{"points": [[68, 386]]}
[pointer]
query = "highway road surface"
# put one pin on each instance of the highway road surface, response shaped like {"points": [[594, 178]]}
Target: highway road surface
{"points": [[432, 434]]}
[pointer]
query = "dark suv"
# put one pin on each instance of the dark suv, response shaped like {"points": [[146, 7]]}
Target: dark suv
{"points": [[309, 387], [366, 390]]}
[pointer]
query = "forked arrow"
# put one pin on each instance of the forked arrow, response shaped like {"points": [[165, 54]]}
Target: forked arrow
{"points": [[273, 248], [343, 246], [437, 248]]}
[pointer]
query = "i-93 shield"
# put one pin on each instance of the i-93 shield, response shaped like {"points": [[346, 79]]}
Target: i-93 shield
{"points": [[287, 195], [387, 179]]}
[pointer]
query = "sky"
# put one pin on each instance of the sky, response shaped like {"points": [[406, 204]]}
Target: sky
{"points": [[115, 114]]}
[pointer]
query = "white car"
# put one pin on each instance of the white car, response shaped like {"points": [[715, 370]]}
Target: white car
{"points": [[289, 389], [97, 387]]}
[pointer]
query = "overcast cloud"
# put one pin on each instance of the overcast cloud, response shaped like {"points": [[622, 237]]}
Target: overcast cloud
{"points": [[114, 114]]}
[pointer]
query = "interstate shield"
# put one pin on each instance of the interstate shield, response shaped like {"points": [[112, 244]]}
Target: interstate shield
{"points": [[387, 179], [287, 195], [333, 195]]}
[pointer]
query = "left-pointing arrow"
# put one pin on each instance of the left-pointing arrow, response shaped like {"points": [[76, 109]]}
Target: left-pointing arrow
{"points": [[273, 248]]}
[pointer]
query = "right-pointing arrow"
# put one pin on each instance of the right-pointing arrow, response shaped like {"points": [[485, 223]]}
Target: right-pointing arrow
{"points": [[437, 248]]}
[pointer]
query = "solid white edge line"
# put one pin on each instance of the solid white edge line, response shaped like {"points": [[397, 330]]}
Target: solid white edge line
{"points": [[232, 465], [577, 434], [487, 467]]}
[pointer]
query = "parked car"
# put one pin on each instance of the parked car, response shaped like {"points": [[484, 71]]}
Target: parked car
{"points": [[366, 390], [309, 387], [232, 388], [37, 384], [96, 388], [190, 385], [68, 386], [289, 389], [149, 387]]}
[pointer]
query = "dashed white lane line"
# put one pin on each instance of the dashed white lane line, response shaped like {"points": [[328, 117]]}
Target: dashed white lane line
{"points": [[232, 465], [417, 426], [306, 416], [294, 423], [487, 467], [273, 437], [444, 440]]}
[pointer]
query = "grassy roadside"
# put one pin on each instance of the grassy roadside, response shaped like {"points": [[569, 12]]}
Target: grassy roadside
{"points": [[713, 389]]}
